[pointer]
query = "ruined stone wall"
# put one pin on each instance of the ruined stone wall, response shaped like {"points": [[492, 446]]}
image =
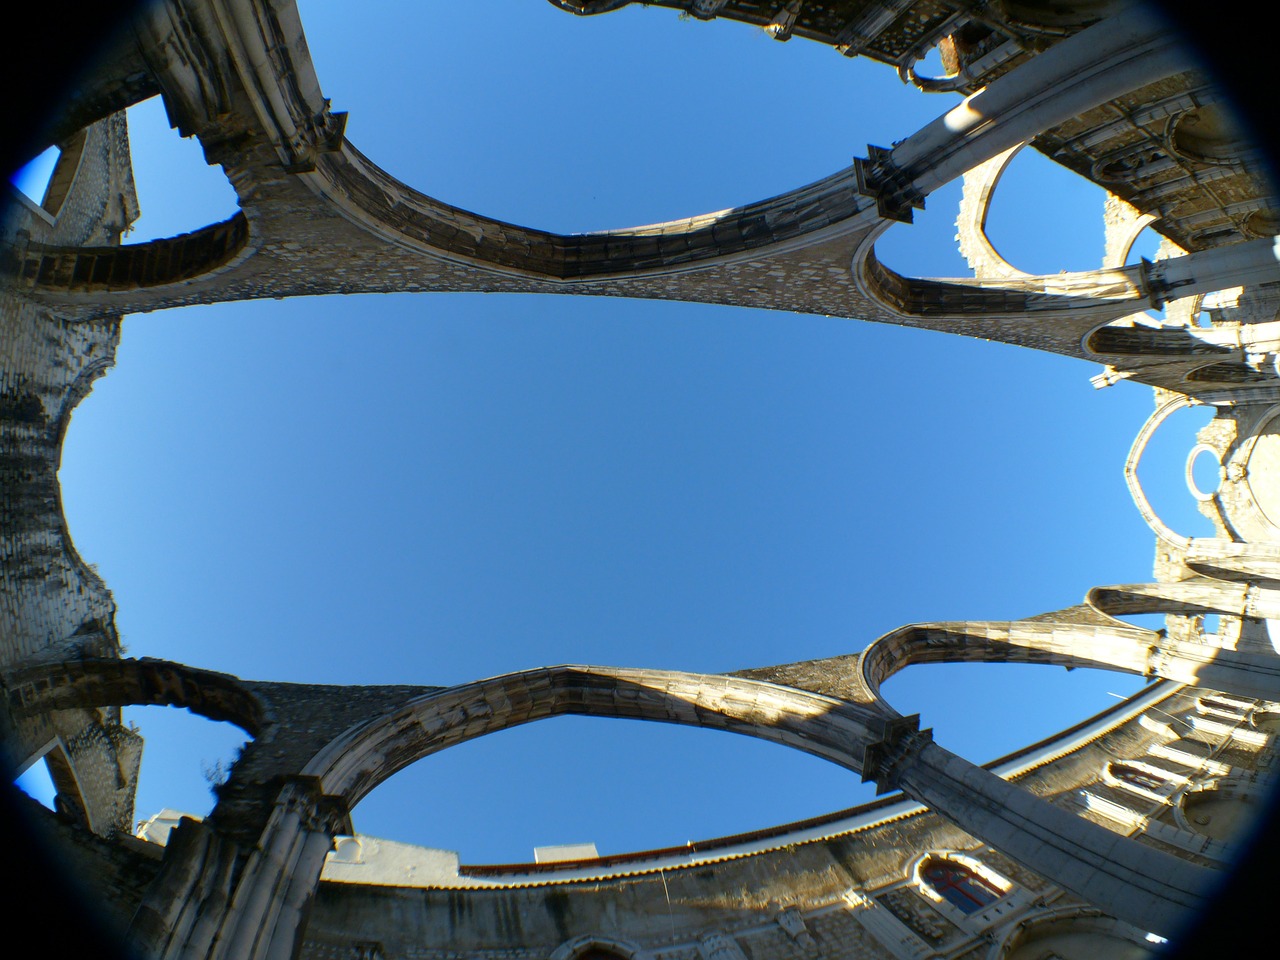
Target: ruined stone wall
{"points": [[237, 74], [856, 894], [54, 606]]}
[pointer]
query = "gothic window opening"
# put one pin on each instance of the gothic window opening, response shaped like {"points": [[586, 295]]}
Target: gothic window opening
{"points": [[1235, 708], [959, 885], [1137, 776], [1216, 704]]}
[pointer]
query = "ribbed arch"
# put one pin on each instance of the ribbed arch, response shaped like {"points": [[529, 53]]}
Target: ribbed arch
{"points": [[157, 263]]}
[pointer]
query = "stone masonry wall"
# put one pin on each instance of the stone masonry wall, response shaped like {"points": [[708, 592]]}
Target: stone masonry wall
{"points": [[53, 606]]}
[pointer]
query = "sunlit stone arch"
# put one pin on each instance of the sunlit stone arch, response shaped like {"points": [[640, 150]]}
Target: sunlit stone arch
{"points": [[354, 764]]}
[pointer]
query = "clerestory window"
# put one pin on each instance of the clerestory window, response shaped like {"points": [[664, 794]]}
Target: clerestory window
{"points": [[961, 886], [1136, 776]]}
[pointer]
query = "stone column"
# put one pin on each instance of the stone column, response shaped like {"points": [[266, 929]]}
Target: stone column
{"points": [[213, 900], [185, 903], [282, 875]]}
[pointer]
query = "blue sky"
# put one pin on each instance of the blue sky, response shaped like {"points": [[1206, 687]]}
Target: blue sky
{"points": [[437, 488]]}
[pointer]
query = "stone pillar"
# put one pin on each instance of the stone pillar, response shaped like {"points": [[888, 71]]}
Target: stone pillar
{"points": [[184, 903], [215, 901], [282, 875]]}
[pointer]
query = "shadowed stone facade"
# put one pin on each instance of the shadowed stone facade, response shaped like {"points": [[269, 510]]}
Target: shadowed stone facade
{"points": [[1095, 843]]}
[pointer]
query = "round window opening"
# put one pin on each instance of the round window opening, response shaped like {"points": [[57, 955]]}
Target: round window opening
{"points": [[1204, 472]]}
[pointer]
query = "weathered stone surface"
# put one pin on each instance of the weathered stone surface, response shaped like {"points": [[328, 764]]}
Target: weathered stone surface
{"points": [[1056, 821]]}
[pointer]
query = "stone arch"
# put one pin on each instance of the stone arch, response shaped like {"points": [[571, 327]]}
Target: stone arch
{"points": [[1221, 809], [75, 393], [1125, 224], [840, 205], [1134, 459], [90, 684], [138, 266], [981, 886], [355, 763], [1032, 831], [982, 190], [1141, 341], [1196, 597], [1099, 644], [1077, 637], [1102, 294], [1233, 372], [793, 220], [96, 683], [972, 49], [980, 185], [310, 808], [590, 946], [1076, 933], [92, 762], [1090, 298], [71, 152], [62, 773]]}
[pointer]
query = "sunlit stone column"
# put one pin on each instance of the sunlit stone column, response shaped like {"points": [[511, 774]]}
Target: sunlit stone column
{"points": [[215, 901]]}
